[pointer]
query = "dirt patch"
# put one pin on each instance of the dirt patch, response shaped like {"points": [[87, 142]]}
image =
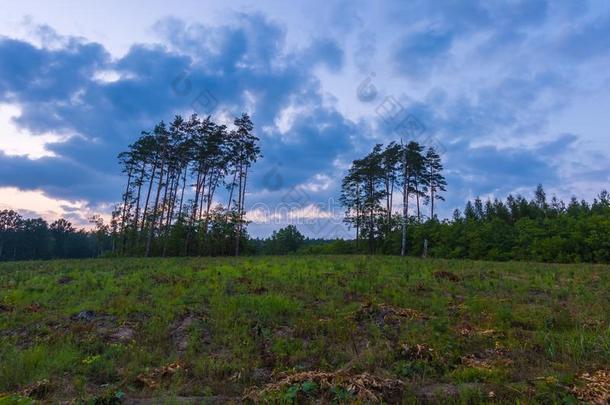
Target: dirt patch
{"points": [[466, 330], [362, 387], [283, 332], [594, 324], [211, 400], [434, 393], [38, 332], [103, 325], [421, 287], [260, 290], [416, 352], [593, 389], [261, 375], [180, 333], [38, 390], [384, 314], [244, 280], [487, 359], [34, 307], [445, 275], [264, 344], [155, 378], [123, 334], [89, 322]]}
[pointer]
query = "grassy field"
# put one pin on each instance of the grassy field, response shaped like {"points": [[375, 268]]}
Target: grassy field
{"points": [[303, 329]]}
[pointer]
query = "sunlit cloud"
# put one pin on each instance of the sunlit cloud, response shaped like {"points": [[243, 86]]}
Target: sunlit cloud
{"points": [[35, 203], [15, 141]]}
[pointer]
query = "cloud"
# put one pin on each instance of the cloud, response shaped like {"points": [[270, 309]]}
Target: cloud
{"points": [[59, 90], [418, 54], [586, 40], [483, 78]]}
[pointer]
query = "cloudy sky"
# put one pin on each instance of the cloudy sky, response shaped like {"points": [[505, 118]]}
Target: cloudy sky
{"points": [[513, 92]]}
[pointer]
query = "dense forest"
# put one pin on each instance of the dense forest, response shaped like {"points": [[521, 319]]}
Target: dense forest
{"points": [[34, 238], [515, 229]]}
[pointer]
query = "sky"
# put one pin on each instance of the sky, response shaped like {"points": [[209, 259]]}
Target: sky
{"points": [[514, 93]]}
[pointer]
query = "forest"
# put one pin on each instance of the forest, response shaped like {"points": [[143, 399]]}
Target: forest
{"points": [[176, 176], [173, 175]]}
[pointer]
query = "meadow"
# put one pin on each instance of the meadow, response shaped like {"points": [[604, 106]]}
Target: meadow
{"points": [[303, 329]]}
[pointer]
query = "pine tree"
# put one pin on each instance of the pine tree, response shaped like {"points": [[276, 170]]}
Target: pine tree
{"points": [[435, 180]]}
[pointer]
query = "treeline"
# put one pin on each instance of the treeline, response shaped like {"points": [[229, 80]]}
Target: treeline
{"points": [[34, 238], [368, 190], [173, 175], [515, 229]]}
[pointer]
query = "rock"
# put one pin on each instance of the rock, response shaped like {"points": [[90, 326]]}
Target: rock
{"points": [[123, 334], [86, 316]]}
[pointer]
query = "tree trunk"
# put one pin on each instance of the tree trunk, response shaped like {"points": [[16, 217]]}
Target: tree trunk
{"points": [[405, 207], [154, 218], [357, 217], [123, 217], [388, 204], [432, 190], [431, 202], [150, 184], [187, 240], [183, 187], [231, 192], [391, 204], [371, 218], [164, 201], [417, 199], [239, 209], [137, 214]]}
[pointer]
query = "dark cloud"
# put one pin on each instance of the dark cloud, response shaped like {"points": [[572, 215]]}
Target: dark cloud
{"points": [[315, 139], [495, 171], [57, 91], [59, 177]]}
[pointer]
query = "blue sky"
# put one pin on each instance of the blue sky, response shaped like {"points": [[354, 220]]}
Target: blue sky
{"points": [[515, 93]]}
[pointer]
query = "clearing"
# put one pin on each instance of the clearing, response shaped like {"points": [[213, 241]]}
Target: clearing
{"points": [[318, 329]]}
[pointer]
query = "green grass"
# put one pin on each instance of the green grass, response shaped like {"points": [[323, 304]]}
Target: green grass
{"points": [[503, 332]]}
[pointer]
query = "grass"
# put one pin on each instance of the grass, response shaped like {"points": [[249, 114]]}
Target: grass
{"points": [[300, 329]]}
